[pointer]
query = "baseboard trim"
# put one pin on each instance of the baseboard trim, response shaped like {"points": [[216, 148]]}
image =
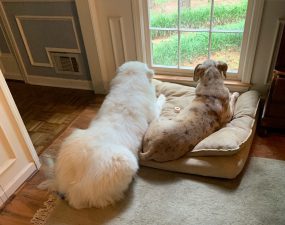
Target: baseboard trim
{"points": [[13, 76], [3, 198], [18, 180], [60, 82]]}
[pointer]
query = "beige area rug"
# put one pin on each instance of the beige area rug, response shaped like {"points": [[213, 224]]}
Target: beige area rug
{"points": [[158, 197]]}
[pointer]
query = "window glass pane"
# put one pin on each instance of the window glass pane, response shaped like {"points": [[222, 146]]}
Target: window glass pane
{"points": [[226, 47], [193, 48], [163, 13], [195, 14], [226, 34], [229, 15], [164, 48]]}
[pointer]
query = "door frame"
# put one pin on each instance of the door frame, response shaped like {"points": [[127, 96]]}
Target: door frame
{"points": [[90, 28]]}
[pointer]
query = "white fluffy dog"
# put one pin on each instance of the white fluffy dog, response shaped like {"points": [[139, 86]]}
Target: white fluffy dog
{"points": [[95, 166]]}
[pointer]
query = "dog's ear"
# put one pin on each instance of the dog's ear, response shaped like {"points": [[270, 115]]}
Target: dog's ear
{"points": [[222, 67], [199, 70]]}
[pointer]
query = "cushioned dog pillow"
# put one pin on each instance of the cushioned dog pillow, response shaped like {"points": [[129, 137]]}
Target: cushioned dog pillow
{"points": [[223, 153]]}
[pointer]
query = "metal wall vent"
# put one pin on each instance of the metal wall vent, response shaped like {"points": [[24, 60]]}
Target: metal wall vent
{"points": [[66, 63]]}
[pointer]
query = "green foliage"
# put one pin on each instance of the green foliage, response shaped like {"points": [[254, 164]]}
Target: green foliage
{"points": [[156, 2], [195, 44], [198, 17], [165, 52]]}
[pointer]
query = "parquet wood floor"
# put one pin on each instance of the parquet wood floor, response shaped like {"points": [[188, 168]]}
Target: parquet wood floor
{"points": [[25, 202], [47, 111], [28, 199]]}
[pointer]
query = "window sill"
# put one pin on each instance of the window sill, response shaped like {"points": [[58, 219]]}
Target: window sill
{"points": [[233, 85]]}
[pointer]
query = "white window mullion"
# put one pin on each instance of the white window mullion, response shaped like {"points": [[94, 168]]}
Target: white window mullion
{"points": [[163, 29], [178, 50], [211, 29], [196, 30]]}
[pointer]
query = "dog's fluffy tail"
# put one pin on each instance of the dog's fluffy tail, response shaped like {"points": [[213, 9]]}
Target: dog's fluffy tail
{"points": [[91, 173], [48, 184]]}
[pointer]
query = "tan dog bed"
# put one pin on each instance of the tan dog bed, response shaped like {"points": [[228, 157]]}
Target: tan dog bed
{"points": [[223, 153]]}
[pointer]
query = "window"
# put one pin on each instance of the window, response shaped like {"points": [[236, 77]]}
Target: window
{"points": [[182, 33]]}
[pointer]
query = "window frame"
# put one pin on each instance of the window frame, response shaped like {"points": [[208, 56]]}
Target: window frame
{"points": [[248, 48]]}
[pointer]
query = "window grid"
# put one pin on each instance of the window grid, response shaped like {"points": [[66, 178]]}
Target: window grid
{"points": [[195, 30], [179, 34], [180, 30], [211, 27]]}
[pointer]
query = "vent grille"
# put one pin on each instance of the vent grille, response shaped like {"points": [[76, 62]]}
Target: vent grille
{"points": [[66, 63]]}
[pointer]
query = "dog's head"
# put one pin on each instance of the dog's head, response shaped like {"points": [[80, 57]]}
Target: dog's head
{"points": [[210, 69], [135, 67]]}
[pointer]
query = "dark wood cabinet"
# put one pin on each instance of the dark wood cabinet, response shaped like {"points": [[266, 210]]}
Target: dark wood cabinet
{"points": [[273, 115], [274, 108]]}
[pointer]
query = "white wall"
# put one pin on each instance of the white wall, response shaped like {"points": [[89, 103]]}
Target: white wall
{"points": [[272, 11]]}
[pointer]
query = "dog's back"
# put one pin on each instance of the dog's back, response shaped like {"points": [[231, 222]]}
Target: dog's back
{"points": [[182, 133], [95, 166], [208, 112]]}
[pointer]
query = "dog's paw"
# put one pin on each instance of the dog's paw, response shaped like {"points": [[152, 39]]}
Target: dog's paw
{"points": [[235, 96], [161, 99], [159, 104]]}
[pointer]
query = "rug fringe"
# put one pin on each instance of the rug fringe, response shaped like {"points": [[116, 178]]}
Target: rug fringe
{"points": [[42, 214]]}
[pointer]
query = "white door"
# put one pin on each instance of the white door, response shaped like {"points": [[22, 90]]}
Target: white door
{"points": [[18, 158], [108, 29], [117, 32], [110, 24]]}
